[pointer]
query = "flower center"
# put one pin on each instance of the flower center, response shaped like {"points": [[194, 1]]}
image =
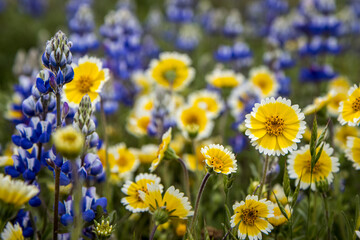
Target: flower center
{"points": [[84, 84], [274, 125], [170, 75], [217, 163], [356, 104], [122, 161], [249, 216], [316, 168], [69, 138]]}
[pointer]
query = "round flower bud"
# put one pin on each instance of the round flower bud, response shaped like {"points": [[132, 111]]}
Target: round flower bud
{"points": [[68, 142]]}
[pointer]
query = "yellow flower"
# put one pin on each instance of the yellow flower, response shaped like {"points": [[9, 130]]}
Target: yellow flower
{"points": [[274, 126], [222, 78], [171, 71], [279, 193], [132, 201], [102, 155], [349, 110], [353, 151], [299, 166], [126, 161], [340, 84], [164, 145], [307, 134], [68, 141], [173, 201], [144, 104], [210, 101], [278, 218], [15, 192], [318, 104], [142, 81], [264, 80], [12, 232], [341, 134], [220, 159], [178, 143], [6, 159], [251, 217], [194, 122], [195, 162], [334, 103], [137, 124], [89, 78], [147, 153], [180, 229]]}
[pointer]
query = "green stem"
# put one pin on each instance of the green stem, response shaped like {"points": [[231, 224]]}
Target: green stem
{"points": [[186, 178], [153, 232], [309, 207], [327, 216], [264, 175], [77, 193]]}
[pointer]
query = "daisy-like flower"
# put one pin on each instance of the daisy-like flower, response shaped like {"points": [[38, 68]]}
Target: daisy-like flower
{"points": [[275, 126], [143, 82], [279, 193], [164, 145], [334, 103], [222, 78], [171, 71], [210, 101], [318, 104], [125, 163], [353, 151], [278, 218], [173, 203], [132, 201], [147, 153], [144, 104], [251, 217], [102, 156], [341, 134], [138, 124], [349, 110], [89, 78], [68, 141], [15, 192], [263, 79], [194, 122], [299, 166], [220, 159], [340, 84], [12, 232]]}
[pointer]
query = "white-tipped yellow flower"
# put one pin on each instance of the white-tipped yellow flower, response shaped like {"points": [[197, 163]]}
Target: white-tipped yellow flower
{"points": [[164, 145], [208, 100], [341, 134], [220, 159], [195, 162], [353, 151], [173, 202], [68, 141], [132, 201], [278, 218], [137, 124], [250, 216], [16, 192], [143, 82], [334, 103], [275, 126], [349, 110], [279, 193], [340, 84], [299, 166], [89, 78], [144, 104], [318, 104], [125, 162], [171, 71], [194, 122], [264, 80], [222, 78], [12, 232]]}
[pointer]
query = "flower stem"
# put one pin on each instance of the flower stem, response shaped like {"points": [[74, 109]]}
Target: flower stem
{"points": [[201, 190], [106, 143], [153, 232], [56, 202], [77, 193], [326, 215], [264, 175], [186, 178]]}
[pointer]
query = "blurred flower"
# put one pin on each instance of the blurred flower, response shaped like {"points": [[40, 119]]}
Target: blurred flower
{"points": [[278, 191], [341, 134], [194, 122], [222, 78], [210, 101], [132, 201], [102, 156], [340, 84], [264, 80], [318, 104], [165, 142], [125, 162], [350, 108], [103, 229], [147, 153], [250, 217], [12, 232], [275, 126], [23, 219], [353, 151], [89, 79], [299, 166], [172, 205], [69, 142], [334, 103], [138, 124], [143, 82], [172, 71], [219, 159], [278, 218], [181, 229]]}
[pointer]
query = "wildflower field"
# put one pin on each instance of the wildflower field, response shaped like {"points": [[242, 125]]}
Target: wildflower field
{"points": [[180, 119]]}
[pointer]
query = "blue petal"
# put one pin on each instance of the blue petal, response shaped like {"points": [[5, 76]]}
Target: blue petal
{"points": [[66, 219], [88, 215], [35, 201]]}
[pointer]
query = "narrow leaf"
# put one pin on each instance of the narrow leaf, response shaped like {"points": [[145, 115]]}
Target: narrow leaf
{"points": [[313, 139], [281, 207], [296, 194], [323, 135], [286, 182]]}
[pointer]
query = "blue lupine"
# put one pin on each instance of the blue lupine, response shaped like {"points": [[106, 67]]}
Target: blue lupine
{"points": [[23, 219]]}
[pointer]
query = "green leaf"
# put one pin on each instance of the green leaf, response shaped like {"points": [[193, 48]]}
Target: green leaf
{"points": [[206, 233], [282, 209], [313, 140], [323, 135], [318, 154], [228, 215], [286, 182], [296, 194]]}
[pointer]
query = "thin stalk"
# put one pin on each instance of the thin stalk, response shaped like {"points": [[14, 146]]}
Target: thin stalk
{"points": [[186, 178], [264, 175], [309, 207], [56, 203], [153, 232], [327, 216], [227, 233], [201, 190], [77, 192]]}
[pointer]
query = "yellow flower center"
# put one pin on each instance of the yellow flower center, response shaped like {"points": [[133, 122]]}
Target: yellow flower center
{"points": [[356, 104], [316, 168], [122, 161], [69, 137], [84, 84], [170, 75], [217, 163], [274, 125], [249, 216]]}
